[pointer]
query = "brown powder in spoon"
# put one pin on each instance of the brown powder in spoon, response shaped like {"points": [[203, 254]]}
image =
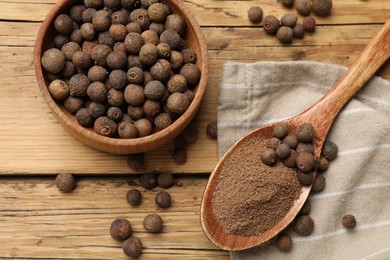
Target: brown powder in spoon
{"points": [[251, 197]]}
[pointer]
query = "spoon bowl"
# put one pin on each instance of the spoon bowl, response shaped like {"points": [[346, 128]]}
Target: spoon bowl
{"points": [[321, 115]]}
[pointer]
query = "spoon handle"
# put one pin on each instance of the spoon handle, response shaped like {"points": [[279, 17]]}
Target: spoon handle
{"points": [[323, 113]]}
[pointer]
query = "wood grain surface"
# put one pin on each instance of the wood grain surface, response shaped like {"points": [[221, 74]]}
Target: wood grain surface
{"points": [[38, 222]]}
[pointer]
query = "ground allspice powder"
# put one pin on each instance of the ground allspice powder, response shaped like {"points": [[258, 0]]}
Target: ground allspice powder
{"points": [[251, 197]]}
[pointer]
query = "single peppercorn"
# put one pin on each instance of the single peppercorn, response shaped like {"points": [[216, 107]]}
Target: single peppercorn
{"points": [[132, 247], [151, 108], [134, 42], [129, 4], [134, 95], [163, 199], [212, 130], [305, 162], [165, 180], [120, 229], [84, 118], [191, 72], [117, 60], [99, 54], [177, 103], [96, 109], [268, 156], [93, 3], [154, 90], [273, 143], [87, 31], [176, 59], [144, 127], [349, 221], [189, 56], [120, 46], [117, 79], [323, 164], [135, 75], [97, 74], [88, 46], [69, 49], [105, 38], [76, 37], [73, 104], [172, 38], [305, 178], [284, 242], [60, 40], [135, 112], [304, 7], [271, 24], [298, 31], [164, 51], [148, 54], [141, 17], [319, 183], [285, 34], [309, 24], [76, 12], [118, 32], [322, 7], [157, 12], [255, 14], [150, 36], [280, 130], [115, 97], [82, 60], [58, 89], [161, 70], [291, 140], [105, 126], [63, 24], [282, 151], [65, 182], [289, 20], [97, 91], [134, 197], [305, 148], [112, 4], [330, 150], [148, 180], [288, 3], [176, 23], [177, 83], [115, 114], [305, 133], [101, 20], [157, 27], [120, 17], [153, 223], [179, 156], [87, 15], [162, 121], [78, 85], [291, 161], [136, 161], [53, 60], [304, 225], [69, 70], [133, 28]]}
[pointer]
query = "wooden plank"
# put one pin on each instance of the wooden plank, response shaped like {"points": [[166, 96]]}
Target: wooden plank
{"points": [[34, 143], [37, 221], [223, 13]]}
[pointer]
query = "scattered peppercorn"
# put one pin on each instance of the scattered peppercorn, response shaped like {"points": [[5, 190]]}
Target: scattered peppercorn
{"points": [[120, 229], [298, 30], [284, 242], [163, 199], [65, 182], [305, 178], [255, 14], [148, 180], [304, 7], [323, 164], [304, 225], [179, 156], [309, 24], [285, 34], [288, 3], [349, 221], [330, 150], [153, 223], [134, 197], [322, 7], [212, 130], [165, 180], [289, 20], [136, 161], [271, 24], [306, 208], [291, 161], [190, 133], [319, 183], [132, 247]]}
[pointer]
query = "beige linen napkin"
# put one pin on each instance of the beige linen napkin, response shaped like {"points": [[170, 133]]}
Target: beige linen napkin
{"points": [[358, 181]]}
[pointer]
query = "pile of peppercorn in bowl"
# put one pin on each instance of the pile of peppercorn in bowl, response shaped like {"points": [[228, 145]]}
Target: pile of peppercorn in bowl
{"points": [[121, 76]]}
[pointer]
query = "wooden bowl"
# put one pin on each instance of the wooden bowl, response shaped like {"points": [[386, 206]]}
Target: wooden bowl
{"points": [[195, 41]]}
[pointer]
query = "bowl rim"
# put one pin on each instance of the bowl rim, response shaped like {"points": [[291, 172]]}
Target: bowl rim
{"points": [[118, 145]]}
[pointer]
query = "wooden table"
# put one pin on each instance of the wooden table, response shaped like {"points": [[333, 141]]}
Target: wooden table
{"points": [[38, 222]]}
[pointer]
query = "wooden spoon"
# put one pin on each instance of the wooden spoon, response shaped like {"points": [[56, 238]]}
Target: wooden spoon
{"points": [[321, 115]]}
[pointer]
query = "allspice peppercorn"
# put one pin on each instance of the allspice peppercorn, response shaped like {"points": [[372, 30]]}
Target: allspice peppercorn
{"points": [[163, 199], [97, 73], [271, 24], [291, 140], [164, 51], [165, 180], [304, 225], [191, 72], [148, 180], [177, 103], [65, 182], [150, 36], [82, 60], [305, 148], [349, 221], [58, 89], [134, 197], [255, 14], [148, 54], [120, 229], [309, 24], [306, 208], [96, 109], [127, 130], [305, 161], [284, 242], [305, 133], [319, 183], [93, 3], [115, 114], [330, 150], [172, 38], [152, 108], [132, 247], [288, 3], [78, 85], [87, 31], [115, 97], [63, 24], [289, 20], [153, 223], [298, 30], [105, 126], [141, 17], [97, 91], [157, 12], [84, 118], [87, 15], [133, 42], [268, 156], [144, 127], [322, 7], [179, 156], [73, 104], [323, 164], [304, 7], [161, 70], [305, 178], [291, 161], [212, 130], [177, 83], [176, 59], [121, 17], [285, 35], [136, 161], [134, 95], [162, 121], [53, 60], [76, 12], [101, 20], [282, 151], [117, 79], [118, 32], [135, 75], [280, 130], [189, 56], [157, 27], [117, 60], [176, 23], [61, 40]]}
